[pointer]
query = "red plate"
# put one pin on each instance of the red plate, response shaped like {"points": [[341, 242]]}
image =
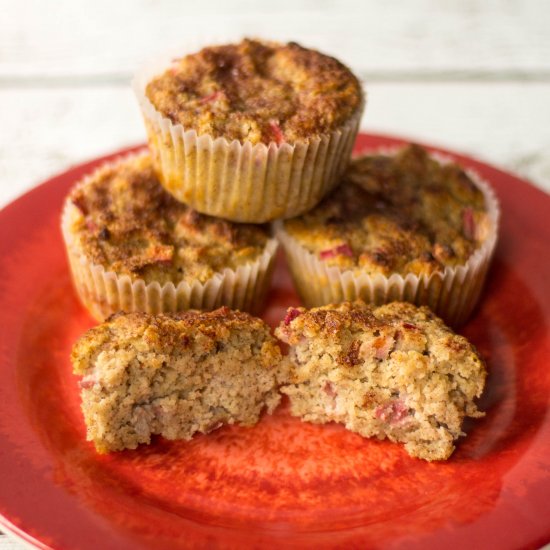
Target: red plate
{"points": [[282, 482]]}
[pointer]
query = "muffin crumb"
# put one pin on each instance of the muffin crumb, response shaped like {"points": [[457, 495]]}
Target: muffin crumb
{"points": [[394, 372], [175, 375]]}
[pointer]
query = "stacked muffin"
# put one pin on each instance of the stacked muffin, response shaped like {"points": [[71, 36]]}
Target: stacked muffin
{"points": [[246, 132], [250, 132], [241, 135]]}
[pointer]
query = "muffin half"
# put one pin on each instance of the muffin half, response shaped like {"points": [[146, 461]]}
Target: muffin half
{"points": [[400, 227], [175, 375], [252, 131], [394, 372], [133, 247]]}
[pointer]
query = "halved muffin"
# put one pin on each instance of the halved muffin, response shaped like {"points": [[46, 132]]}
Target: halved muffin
{"points": [[133, 247], [251, 131], [175, 375], [402, 226], [393, 372]]}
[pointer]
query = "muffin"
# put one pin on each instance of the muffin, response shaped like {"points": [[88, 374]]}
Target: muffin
{"points": [[133, 247], [401, 226], [175, 375], [394, 372], [250, 132]]}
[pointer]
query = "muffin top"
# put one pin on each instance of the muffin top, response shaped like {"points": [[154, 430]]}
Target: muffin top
{"points": [[172, 334], [404, 213], [261, 92], [393, 328], [126, 222]]}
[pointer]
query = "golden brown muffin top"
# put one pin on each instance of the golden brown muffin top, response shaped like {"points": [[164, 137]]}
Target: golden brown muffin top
{"points": [[332, 319], [126, 222], [172, 334], [402, 214], [394, 327], [261, 92]]}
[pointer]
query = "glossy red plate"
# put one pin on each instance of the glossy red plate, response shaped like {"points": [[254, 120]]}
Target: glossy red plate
{"points": [[282, 482]]}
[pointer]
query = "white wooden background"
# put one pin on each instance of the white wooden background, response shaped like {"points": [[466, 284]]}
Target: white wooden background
{"points": [[469, 75]]}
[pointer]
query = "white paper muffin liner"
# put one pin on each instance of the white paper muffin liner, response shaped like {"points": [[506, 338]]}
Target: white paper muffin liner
{"points": [[237, 180], [105, 292], [451, 294]]}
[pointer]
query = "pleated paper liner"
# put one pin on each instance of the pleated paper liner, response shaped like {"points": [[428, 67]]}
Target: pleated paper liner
{"points": [[105, 292], [237, 180], [451, 294]]}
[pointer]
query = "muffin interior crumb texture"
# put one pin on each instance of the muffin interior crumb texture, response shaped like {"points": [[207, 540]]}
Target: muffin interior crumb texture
{"points": [[126, 222], [261, 92], [175, 375], [406, 213], [393, 372]]}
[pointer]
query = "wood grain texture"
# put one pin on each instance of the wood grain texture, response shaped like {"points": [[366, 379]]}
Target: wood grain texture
{"points": [[437, 39], [7, 543]]}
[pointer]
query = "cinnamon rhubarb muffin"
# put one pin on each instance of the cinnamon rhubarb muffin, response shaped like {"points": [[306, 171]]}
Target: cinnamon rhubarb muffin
{"points": [[403, 226], [251, 131], [394, 372], [133, 247], [175, 375]]}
